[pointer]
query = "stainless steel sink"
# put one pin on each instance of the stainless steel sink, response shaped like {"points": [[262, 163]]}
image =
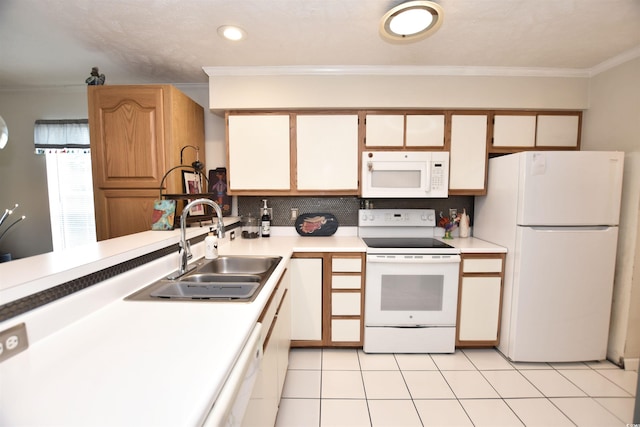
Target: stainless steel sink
{"points": [[227, 278], [238, 265]]}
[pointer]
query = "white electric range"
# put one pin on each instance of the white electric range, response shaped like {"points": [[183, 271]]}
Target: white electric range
{"points": [[411, 283]]}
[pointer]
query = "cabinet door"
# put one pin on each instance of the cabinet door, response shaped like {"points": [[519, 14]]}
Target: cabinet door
{"points": [[558, 131], [282, 332], [123, 212], [327, 152], [468, 157], [384, 130], [514, 131], [258, 149], [127, 136], [425, 130], [479, 309], [306, 299]]}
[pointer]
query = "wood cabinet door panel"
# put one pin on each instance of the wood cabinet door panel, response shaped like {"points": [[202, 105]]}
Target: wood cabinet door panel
{"points": [[127, 135], [123, 212]]}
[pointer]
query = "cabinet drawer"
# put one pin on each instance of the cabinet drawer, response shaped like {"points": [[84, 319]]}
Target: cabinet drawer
{"points": [[482, 265], [346, 282], [346, 265], [345, 304], [345, 330]]}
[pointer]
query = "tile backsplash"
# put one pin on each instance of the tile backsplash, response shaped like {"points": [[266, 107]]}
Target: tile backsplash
{"points": [[344, 208]]}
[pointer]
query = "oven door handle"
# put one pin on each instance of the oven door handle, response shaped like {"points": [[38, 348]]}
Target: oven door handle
{"points": [[414, 259]]}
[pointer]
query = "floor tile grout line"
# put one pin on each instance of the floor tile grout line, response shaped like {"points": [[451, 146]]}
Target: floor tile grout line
{"points": [[364, 388]]}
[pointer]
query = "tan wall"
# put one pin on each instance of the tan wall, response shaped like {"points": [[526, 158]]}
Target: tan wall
{"points": [[396, 91], [613, 123]]}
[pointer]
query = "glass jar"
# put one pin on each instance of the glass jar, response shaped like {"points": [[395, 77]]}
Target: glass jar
{"points": [[250, 227]]}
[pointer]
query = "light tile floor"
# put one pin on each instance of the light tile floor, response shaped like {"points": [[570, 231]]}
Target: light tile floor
{"points": [[347, 387]]}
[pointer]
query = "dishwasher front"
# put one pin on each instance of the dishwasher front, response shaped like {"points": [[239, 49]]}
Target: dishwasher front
{"points": [[229, 407]]}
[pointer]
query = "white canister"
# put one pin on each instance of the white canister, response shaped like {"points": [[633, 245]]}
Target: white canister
{"points": [[464, 224]]}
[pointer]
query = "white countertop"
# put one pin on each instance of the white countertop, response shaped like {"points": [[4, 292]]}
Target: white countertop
{"points": [[471, 245], [95, 359]]}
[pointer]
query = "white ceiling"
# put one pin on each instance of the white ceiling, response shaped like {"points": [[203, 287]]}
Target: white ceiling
{"points": [[56, 42]]}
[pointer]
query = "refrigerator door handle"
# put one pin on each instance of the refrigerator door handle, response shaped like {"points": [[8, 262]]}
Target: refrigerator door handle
{"points": [[577, 229]]}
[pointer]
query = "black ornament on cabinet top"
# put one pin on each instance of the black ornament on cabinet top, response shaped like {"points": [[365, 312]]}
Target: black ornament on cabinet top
{"points": [[95, 79]]}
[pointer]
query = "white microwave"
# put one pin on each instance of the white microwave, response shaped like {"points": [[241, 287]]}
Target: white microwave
{"points": [[401, 174]]}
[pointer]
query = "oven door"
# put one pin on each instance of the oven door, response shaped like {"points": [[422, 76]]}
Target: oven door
{"points": [[411, 290]]}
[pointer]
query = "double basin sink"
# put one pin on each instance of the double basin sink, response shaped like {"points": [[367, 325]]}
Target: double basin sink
{"points": [[226, 278]]}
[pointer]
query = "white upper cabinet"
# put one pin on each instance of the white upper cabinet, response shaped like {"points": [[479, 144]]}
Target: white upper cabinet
{"points": [[514, 131], [558, 131], [259, 157], [410, 130], [327, 152], [468, 155], [385, 130], [425, 130], [517, 132]]}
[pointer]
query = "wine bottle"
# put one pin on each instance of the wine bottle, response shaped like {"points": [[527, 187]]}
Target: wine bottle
{"points": [[266, 220]]}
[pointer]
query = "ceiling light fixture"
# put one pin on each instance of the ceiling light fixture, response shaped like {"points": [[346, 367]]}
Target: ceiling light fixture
{"points": [[411, 21], [231, 32]]}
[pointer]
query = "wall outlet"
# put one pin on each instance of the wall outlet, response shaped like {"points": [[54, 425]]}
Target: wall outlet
{"points": [[13, 341], [453, 213], [294, 214]]}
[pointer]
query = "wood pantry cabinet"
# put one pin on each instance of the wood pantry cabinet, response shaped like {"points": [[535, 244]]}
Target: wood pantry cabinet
{"points": [[137, 133], [262, 408], [480, 300], [284, 153], [327, 292]]}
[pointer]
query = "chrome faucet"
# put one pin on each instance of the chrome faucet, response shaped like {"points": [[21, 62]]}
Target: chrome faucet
{"points": [[185, 247]]}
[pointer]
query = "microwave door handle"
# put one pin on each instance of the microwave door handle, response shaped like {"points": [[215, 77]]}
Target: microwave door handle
{"points": [[427, 174]]}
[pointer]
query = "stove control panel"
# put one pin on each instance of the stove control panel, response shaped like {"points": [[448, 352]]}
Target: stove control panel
{"points": [[397, 218]]}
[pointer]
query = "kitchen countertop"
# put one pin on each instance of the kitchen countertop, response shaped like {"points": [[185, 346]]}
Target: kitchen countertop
{"points": [[471, 245], [95, 359]]}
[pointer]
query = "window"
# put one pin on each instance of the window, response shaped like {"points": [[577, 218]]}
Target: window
{"points": [[65, 145]]}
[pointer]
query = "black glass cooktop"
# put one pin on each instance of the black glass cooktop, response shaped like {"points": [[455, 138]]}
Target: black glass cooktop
{"points": [[404, 242]]}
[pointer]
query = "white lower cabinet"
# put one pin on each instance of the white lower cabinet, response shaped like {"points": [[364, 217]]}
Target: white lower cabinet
{"points": [[480, 300], [276, 319], [306, 297], [327, 296], [480, 306]]}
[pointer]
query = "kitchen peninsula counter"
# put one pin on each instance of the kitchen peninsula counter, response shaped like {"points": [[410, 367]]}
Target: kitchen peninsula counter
{"points": [[96, 359]]}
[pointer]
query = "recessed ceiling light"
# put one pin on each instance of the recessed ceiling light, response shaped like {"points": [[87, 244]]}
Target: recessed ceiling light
{"points": [[411, 21], [231, 32]]}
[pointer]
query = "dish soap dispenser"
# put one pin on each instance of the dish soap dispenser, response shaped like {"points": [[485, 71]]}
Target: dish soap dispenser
{"points": [[266, 220], [211, 245]]}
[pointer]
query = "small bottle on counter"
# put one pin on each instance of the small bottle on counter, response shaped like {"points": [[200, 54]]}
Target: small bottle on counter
{"points": [[211, 245], [266, 220]]}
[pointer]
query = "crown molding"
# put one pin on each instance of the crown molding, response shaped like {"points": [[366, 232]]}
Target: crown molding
{"points": [[615, 61], [391, 70]]}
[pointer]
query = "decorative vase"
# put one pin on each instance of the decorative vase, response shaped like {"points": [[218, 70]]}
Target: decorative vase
{"points": [[447, 235]]}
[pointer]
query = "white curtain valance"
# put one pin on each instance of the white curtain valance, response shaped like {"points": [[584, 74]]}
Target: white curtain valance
{"points": [[61, 136]]}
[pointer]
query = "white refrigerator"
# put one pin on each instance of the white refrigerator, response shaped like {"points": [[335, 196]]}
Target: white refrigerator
{"points": [[557, 214]]}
